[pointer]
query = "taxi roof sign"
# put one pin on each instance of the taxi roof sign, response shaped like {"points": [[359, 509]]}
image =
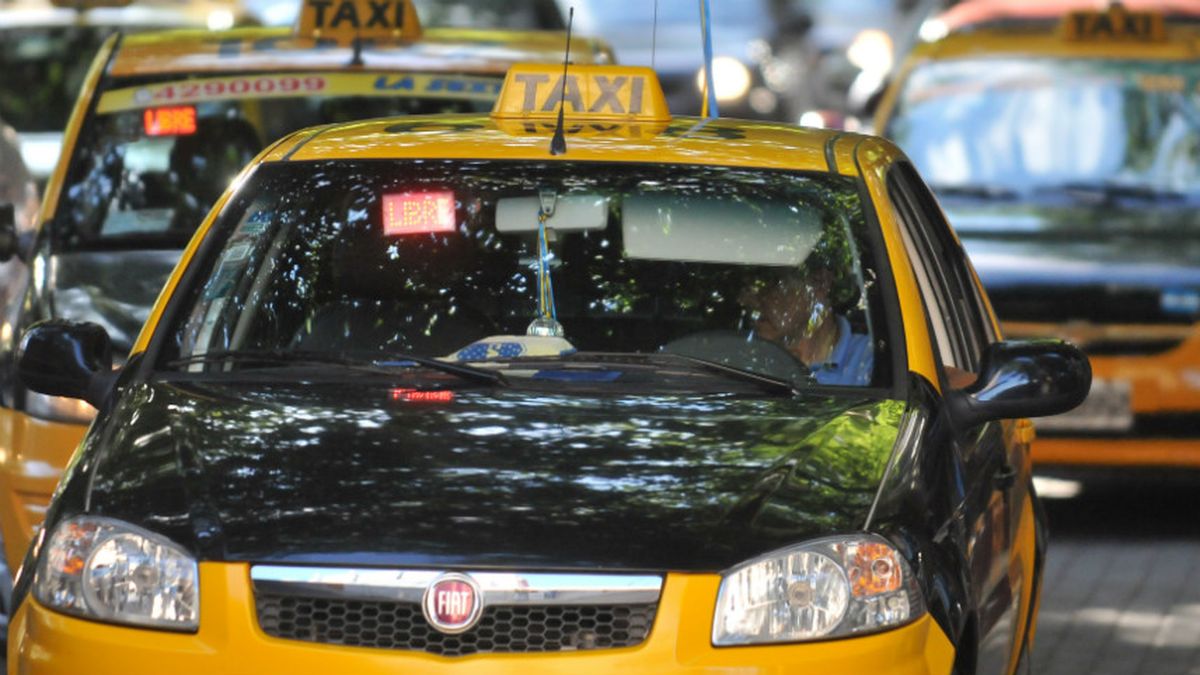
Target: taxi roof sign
{"points": [[601, 93], [90, 4], [348, 20], [1115, 24]]}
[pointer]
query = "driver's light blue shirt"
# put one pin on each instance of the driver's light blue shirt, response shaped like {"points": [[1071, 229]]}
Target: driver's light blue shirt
{"points": [[851, 361]]}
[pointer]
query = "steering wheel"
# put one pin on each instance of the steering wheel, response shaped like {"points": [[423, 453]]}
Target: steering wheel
{"points": [[743, 351]]}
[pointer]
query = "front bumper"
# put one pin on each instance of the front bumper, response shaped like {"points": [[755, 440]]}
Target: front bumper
{"points": [[229, 641], [33, 454], [1164, 401]]}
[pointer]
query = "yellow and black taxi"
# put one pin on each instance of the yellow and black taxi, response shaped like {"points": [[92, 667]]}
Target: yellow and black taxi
{"points": [[1064, 143], [576, 386], [163, 124]]}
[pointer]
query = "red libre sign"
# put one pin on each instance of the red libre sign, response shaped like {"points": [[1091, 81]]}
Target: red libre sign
{"points": [[418, 213], [177, 121]]}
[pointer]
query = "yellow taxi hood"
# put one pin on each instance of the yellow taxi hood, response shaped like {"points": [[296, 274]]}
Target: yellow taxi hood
{"points": [[683, 140], [258, 49]]}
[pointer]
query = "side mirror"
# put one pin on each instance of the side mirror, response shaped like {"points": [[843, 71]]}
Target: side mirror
{"points": [[63, 358], [8, 232], [1023, 378]]}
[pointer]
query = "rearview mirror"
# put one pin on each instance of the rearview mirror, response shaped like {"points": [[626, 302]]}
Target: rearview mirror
{"points": [[1023, 378], [63, 358], [570, 213]]}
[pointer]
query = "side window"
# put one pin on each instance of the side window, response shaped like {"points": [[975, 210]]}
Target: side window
{"points": [[946, 282]]}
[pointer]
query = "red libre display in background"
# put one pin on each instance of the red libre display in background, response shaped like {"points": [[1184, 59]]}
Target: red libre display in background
{"points": [[176, 121]]}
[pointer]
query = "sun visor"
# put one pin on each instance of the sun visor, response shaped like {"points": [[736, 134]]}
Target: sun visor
{"points": [[716, 230]]}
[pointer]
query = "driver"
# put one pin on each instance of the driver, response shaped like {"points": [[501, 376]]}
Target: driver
{"points": [[795, 310]]}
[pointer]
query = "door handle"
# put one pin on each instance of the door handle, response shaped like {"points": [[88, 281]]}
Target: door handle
{"points": [[1005, 476]]}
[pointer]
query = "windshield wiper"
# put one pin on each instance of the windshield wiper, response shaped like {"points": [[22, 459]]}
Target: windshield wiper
{"points": [[771, 385], [975, 191], [377, 364], [1106, 192], [472, 373]]}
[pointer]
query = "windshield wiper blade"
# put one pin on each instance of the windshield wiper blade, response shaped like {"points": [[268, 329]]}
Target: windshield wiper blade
{"points": [[772, 385], [472, 373], [1110, 191], [272, 356], [375, 364], [974, 191]]}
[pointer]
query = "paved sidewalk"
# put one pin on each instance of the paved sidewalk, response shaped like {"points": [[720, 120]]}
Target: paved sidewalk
{"points": [[1122, 584]]}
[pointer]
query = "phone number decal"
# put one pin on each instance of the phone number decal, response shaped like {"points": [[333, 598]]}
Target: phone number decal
{"points": [[201, 90]]}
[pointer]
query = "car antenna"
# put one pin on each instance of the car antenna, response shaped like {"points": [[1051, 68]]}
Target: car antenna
{"points": [[710, 95], [654, 37], [357, 59], [558, 144]]}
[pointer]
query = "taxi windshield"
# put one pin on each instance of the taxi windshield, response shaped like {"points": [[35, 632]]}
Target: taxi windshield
{"points": [[500, 263], [1093, 128], [155, 156], [38, 84]]}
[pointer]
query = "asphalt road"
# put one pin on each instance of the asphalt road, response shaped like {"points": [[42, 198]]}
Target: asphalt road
{"points": [[1122, 585]]}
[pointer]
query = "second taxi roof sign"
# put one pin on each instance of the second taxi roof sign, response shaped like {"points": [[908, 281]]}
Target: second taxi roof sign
{"points": [[347, 20]]}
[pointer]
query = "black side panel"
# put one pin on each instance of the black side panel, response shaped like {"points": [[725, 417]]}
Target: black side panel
{"points": [[917, 510]]}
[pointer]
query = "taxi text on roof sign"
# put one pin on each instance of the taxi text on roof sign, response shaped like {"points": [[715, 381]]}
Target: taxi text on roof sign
{"points": [[90, 4], [347, 20], [625, 93], [1118, 23]]}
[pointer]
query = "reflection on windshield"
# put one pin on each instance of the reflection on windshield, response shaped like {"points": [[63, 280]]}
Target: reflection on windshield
{"points": [[1100, 126], [757, 271], [43, 70], [144, 177], [513, 14]]}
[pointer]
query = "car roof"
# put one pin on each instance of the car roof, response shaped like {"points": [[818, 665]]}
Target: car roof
{"points": [[682, 140], [980, 13], [985, 28], [25, 14], [258, 49]]}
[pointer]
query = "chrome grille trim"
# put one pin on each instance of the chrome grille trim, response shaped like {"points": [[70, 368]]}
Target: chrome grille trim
{"points": [[498, 588]]}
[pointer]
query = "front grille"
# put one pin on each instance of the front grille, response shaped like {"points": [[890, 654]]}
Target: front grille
{"points": [[1131, 347], [1158, 426], [501, 629], [1094, 304]]}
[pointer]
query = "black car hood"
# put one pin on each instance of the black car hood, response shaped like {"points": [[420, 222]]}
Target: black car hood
{"points": [[115, 289], [342, 474], [1020, 245]]}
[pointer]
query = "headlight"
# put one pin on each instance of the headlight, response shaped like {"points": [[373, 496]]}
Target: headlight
{"points": [[826, 588], [100, 568], [59, 408], [731, 78]]}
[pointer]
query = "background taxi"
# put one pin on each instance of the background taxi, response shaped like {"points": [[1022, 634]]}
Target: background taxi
{"points": [[45, 49], [1064, 144], [164, 123], [616, 391]]}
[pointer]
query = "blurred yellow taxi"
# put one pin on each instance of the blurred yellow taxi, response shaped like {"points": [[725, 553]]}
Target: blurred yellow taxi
{"points": [[578, 386], [163, 124], [1064, 143]]}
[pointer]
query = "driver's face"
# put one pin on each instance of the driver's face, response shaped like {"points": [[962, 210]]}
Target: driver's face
{"points": [[787, 309]]}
